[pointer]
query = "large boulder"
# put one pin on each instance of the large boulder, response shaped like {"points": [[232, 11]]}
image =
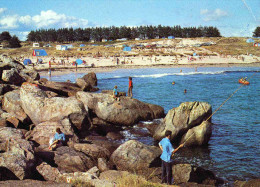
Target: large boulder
{"points": [[30, 74], [113, 175], [90, 78], [135, 156], [83, 84], [4, 88], [179, 120], [249, 183], [46, 130], [92, 150], [110, 92], [69, 160], [126, 112], [85, 179], [12, 77], [12, 104], [17, 154], [8, 63], [48, 172], [40, 108], [183, 173], [198, 135], [63, 88]]}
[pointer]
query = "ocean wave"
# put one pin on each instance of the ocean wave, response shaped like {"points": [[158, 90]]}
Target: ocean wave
{"points": [[180, 74]]}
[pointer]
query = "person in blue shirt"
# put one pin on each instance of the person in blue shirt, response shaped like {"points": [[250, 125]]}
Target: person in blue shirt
{"points": [[167, 153], [58, 140], [115, 93]]}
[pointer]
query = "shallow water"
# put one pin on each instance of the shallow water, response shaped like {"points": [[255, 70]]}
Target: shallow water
{"points": [[233, 152]]}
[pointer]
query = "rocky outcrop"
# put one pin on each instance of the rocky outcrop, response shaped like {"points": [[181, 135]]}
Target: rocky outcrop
{"points": [[102, 165], [44, 131], [90, 78], [30, 74], [30, 183], [134, 156], [179, 120], [62, 88], [9, 63], [110, 92], [183, 173], [126, 112], [198, 135], [17, 154], [48, 172], [12, 104], [69, 160], [40, 108], [83, 85], [87, 82], [12, 77], [4, 88], [113, 175], [249, 183], [92, 150]]}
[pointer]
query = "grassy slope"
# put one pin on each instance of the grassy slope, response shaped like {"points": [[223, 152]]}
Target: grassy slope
{"points": [[228, 46]]}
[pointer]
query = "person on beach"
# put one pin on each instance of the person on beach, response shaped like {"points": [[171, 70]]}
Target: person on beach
{"points": [[57, 140], [115, 94], [130, 88], [166, 157]]}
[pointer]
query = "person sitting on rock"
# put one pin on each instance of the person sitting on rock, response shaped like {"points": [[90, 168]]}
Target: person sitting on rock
{"points": [[57, 140], [115, 94]]}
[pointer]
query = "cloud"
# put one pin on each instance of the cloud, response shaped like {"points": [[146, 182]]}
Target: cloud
{"points": [[51, 19], [2, 10], [21, 25], [46, 19], [209, 15], [9, 22]]}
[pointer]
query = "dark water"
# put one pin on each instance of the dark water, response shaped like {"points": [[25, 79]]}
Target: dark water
{"points": [[234, 150]]}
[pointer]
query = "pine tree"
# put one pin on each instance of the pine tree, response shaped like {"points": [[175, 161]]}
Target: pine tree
{"points": [[256, 33], [14, 42]]}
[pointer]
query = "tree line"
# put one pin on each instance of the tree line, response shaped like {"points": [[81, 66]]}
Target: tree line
{"points": [[113, 33], [256, 33], [9, 41]]}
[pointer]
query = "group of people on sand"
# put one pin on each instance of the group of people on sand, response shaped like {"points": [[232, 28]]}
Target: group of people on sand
{"points": [[129, 93]]}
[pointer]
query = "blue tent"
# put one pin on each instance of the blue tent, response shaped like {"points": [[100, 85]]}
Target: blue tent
{"points": [[171, 37], [79, 61], [126, 48], [250, 40], [82, 45], [194, 54], [39, 52], [27, 61]]}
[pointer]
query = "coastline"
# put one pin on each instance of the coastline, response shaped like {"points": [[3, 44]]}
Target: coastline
{"points": [[58, 70]]}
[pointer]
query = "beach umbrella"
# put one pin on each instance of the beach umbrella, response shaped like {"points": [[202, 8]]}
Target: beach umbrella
{"points": [[27, 61], [79, 61]]}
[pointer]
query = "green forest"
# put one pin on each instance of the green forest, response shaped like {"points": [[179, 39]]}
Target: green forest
{"points": [[113, 33]]}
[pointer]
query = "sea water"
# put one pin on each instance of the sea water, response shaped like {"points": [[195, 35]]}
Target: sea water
{"points": [[233, 152]]}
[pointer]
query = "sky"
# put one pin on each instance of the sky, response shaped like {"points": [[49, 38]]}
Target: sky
{"points": [[231, 17]]}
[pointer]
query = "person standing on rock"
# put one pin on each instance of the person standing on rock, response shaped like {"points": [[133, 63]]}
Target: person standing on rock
{"points": [[167, 153], [58, 140], [130, 88]]}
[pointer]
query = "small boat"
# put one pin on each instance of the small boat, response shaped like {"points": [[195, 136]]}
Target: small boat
{"points": [[243, 81]]}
